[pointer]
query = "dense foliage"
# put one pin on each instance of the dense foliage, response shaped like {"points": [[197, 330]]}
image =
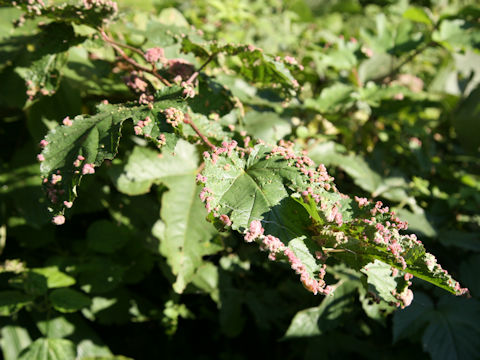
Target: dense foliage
{"points": [[207, 168]]}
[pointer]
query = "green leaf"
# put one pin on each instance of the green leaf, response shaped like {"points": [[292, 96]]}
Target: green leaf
{"points": [[49, 349], [469, 268], [327, 316], [417, 222], [332, 99], [417, 14], [380, 280], [99, 275], [378, 66], [12, 301], [461, 239], [267, 126], [456, 33], [55, 277], [206, 278], [453, 330], [407, 322], [40, 58], [185, 235], [21, 185], [252, 189], [465, 121], [57, 327], [144, 167], [105, 237], [68, 300], [256, 66], [13, 340]]}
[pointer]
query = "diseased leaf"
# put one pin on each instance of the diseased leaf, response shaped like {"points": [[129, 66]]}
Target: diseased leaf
{"points": [[380, 280], [256, 66], [255, 194], [85, 13], [83, 143]]}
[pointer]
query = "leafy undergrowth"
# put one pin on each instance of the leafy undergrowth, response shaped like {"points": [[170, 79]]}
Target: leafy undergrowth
{"points": [[184, 161]]}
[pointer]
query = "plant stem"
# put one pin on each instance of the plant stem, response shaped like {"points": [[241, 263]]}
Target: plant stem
{"points": [[409, 58], [196, 73], [188, 120], [128, 59]]}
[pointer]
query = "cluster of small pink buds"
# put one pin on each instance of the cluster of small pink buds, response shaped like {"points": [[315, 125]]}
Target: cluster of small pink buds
{"points": [[56, 179], [155, 54], [145, 99], [174, 116], [53, 191], [205, 196], [335, 215], [33, 6], [88, 169], [201, 179], [89, 4], [275, 246], [138, 128], [58, 220], [226, 148], [43, 143], [292, 61], [226, 220], [367, 51], [361, 201], [78, 161], [67, 122], [188, 90], [404, 299], [136, 83], [255, 231]]}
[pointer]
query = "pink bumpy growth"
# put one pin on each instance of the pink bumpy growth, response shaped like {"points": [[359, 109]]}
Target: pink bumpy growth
{"points": [[88, 169], [255, 231], [155, 54], [174, 116], [226, 220], [67, 121], [59, 220]]}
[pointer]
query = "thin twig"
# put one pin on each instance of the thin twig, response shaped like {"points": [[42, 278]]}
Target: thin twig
{"points": [[196, 73], [357, 77], [407, 60], [126, 46], [128, 59], [188, 120]]}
